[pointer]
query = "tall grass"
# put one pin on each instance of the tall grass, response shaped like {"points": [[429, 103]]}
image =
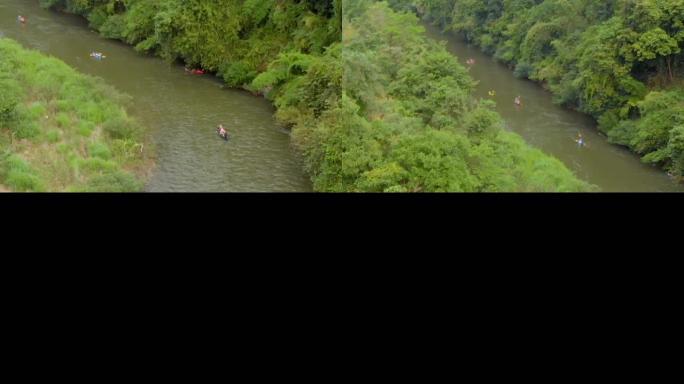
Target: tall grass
{"points": [[64, 131]]}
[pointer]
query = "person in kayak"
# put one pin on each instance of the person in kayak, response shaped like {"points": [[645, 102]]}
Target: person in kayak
{"points": [[97, 55], [194, 71], [21, 19], [518, 101], [222, 131], [470, 61], [580, 140]]}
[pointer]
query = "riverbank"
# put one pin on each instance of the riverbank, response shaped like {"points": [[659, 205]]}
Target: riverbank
{"points": [[409, 120], [64, 131]]}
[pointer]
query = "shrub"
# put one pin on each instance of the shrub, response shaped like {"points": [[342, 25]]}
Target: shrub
{"points": [[10, 95], [237, 74], [94, 164], [85, 128], [523, 70], [676, 150], [121, 128], [19, 176], [24, 182], [99, 150], [82, 102], [37, 110]]}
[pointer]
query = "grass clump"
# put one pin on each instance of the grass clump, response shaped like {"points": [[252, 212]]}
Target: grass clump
{"points": [[62, 131], [18, 175]]}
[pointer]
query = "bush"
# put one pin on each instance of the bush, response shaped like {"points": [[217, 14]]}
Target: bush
{"points": [[94, 165], [237, 74], [595, 56], [24, 182], [37, 110], [79, 102], [523, 70], [125, 149], [608, 121], [63, 120], [10, 95]]}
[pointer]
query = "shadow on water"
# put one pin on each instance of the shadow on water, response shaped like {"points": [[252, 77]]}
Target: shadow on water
{"points": [[182, 110]]}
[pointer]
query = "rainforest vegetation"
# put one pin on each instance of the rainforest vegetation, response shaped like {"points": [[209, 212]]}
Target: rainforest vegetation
{"points": [[64, 131], [621, 61], [370, 102]]}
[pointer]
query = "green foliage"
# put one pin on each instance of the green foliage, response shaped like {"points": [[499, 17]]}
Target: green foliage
{"points": [[99, 150], [17, 174], [288, 50], [116, 181], [50, 120], [121, 127], [53, 136], [657, 134], [63, 120], [675, 149], [407, 121], [237, 74], [9, 99], [85, 128], [597, 56], [25, 129], [385, 110], [237, 38]]}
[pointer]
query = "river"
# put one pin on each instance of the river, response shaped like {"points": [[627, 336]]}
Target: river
{"points": [[553, 129], [181, 110]]}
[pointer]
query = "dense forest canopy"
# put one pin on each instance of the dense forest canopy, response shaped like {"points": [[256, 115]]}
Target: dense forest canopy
{"points": [[621, 61], [376, 106], [235, 38], [408, 120]]}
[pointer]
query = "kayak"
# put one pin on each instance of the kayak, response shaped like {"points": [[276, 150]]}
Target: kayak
{"points": [[225, 137]]}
